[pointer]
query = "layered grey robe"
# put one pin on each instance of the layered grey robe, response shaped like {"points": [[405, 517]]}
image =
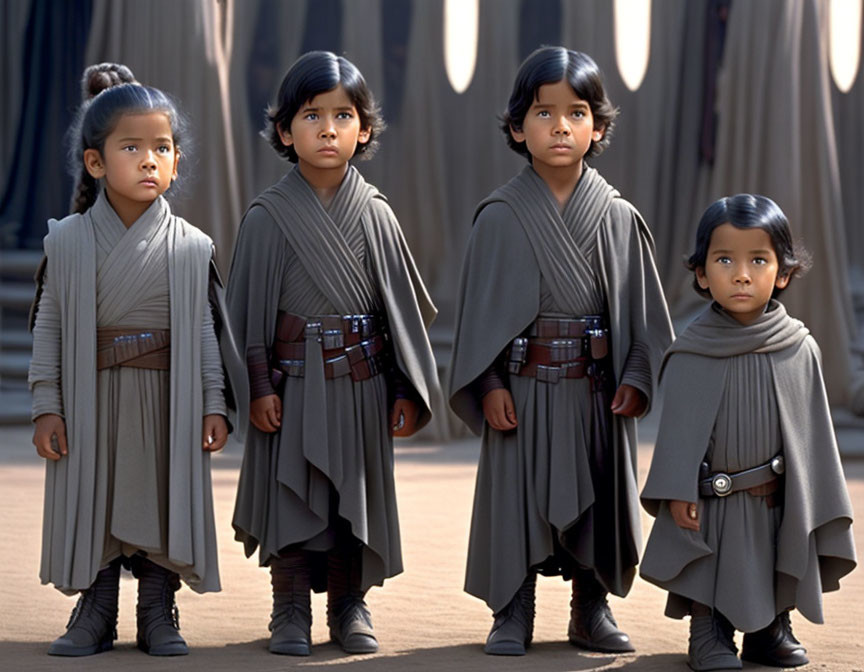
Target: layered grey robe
{"points": [[534, 485], [332, 458], [737, 395], [135, 478]]}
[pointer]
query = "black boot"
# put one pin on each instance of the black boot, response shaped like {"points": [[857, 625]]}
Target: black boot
{"points": [[291, 620], [92, 627], [158, 616], [513, 628], [592, 625], [775, 645], [348, 616], [712, 644]]}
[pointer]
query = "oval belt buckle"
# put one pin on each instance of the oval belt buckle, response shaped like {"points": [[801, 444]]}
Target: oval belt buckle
{"points": [[721, 484]]}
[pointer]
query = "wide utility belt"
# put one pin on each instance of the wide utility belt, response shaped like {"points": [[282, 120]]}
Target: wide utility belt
{"points": [[355, 345], [555, 348], [136, 348], [761, 480]]}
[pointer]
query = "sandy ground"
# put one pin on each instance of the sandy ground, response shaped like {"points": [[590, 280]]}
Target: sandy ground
{"points": [[423, 619]]}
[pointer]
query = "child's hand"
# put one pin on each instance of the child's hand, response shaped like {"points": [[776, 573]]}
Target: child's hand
{"points": [[403, 419], [499, 410], [685, 514], [215, 433], [629, 402], [49, 437], [266, 413]]}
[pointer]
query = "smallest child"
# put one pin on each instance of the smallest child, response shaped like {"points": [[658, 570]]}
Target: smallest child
{"points": [[753, 515]]}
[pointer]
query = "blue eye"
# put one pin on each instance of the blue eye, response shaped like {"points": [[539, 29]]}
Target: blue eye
{"points": [[760, 260], [312, 116], [344, 115]]}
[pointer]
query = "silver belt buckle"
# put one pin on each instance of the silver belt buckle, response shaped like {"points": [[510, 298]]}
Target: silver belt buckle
{"points": [[721, 484], [778, 465]]}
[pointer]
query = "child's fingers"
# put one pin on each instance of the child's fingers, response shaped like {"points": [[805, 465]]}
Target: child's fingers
{"points": [[60, 433], [274, 416], [510, 412], [43, 449]]}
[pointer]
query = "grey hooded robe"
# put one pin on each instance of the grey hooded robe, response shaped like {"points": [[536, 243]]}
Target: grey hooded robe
{"points": [[534, 487], [333, 455], [135, 478], [737, 395]]}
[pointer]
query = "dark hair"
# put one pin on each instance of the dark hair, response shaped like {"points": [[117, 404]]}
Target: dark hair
{"points": [[548, 65], [109, 91], [750, 211], [317, 72]]}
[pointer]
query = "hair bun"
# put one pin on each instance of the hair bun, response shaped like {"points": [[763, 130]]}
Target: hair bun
{"points": [[103, 76]]}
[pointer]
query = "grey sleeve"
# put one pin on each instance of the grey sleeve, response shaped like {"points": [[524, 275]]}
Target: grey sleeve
{"points": [[44, 375], [212, 375]]}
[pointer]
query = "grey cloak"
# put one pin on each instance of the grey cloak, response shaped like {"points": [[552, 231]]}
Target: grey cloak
{"points": [[737, 395], [332, 458], [534, 487], [135, 477]]}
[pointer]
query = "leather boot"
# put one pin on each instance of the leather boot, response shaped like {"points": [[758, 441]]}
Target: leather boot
{"points": [[712, 646], [92, 627], [592, 625], [775, 645], [513, 628], [158, 616], [291, 620], [348, 616]]}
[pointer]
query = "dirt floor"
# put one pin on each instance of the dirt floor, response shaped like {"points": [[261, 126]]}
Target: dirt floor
{"points": [[423, 619]]}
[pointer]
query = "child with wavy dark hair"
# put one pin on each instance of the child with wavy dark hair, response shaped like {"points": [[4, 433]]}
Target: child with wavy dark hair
{"points": [[561, 323], [126, 376], [331, 317], [753, 516]]}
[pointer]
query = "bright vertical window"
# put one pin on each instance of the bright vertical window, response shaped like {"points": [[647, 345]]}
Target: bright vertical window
{"points": [[460, 42], [845, 41], [632, 40]]}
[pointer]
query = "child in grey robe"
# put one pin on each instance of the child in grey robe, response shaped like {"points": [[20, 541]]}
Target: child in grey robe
{"points": [[561, 321], [753, 516], [331, 316], [127, 378]]}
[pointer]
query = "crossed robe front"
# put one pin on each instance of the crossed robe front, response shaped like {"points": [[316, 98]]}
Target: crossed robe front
{"points": [[737, 395], [332, 458], [535, 493], [136, 478]]}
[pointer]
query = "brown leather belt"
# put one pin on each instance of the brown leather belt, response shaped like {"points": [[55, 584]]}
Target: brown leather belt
{"points": [[354, 345], [761, 480], [136, 348], [332, 331], [556, 348]]}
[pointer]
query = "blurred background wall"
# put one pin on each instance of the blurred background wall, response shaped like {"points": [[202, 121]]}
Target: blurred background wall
{"points": [[736, 96]]}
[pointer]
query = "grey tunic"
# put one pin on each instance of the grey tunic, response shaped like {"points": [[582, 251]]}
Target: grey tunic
{"points": [[132, 482], [733, 563], [535, 491], [332, 458]]}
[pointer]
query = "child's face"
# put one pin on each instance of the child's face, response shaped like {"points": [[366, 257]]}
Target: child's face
{"points": [[325, 131], [558, 128], [138, 161], [741, 271]]}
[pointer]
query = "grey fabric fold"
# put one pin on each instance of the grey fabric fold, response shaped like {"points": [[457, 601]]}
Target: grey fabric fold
{"points": [[98, 504], [736, 395], [534, 490]]}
